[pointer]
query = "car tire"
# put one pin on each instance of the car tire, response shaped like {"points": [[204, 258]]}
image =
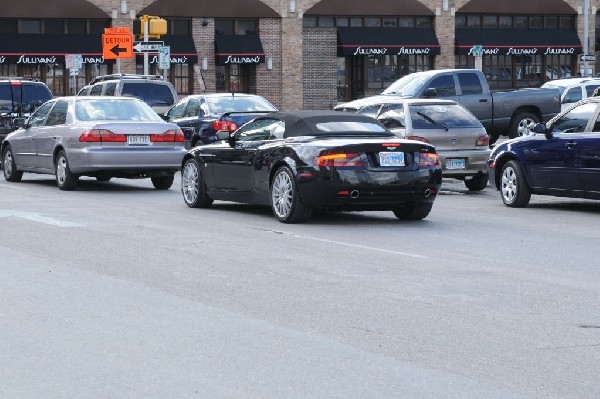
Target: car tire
{"points": [[65, 179], [9, 166], [417, 211], [162, 182], [477, 183], [521, 124], [285, 200], [514, 189], [193, 187]]}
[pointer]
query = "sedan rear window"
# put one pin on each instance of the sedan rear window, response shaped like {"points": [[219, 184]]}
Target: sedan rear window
{"points": [[114, 109], [432, 116], [349, 127], [221, 105]]}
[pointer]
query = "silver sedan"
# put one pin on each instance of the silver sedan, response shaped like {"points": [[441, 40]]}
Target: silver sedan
{"points": [[101, 137], [459, 138]]}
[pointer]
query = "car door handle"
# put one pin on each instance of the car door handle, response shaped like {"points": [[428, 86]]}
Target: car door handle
{"points": [[571, 145], [483, 100]]}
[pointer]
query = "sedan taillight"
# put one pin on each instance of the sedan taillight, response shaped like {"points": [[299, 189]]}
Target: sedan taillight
{"points": [[340, 160], [483, 141], [170, 136], [429, 159], [101, 136], [227, 126]]}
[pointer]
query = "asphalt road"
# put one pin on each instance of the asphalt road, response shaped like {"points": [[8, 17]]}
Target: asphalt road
{"points": [[117, 290]]}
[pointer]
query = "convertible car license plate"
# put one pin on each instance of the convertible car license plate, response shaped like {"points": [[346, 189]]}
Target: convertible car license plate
{"points": [[138, 139], [391, 159], [455, 163]]}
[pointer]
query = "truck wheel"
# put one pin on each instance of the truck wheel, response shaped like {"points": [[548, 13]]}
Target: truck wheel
{"points": [[521, 124]]}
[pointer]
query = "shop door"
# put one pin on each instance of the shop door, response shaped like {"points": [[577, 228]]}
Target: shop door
{"points": [[357, 74]]}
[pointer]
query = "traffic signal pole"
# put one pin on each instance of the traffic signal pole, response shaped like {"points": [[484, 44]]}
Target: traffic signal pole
{"points": [[146, 27]]}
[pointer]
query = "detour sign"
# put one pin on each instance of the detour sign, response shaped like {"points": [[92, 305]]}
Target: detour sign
{"points": [[117, 45]]}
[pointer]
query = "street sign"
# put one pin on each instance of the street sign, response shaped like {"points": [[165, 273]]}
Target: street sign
{"points": [[117, 46], [587, 57], [73, 61], [164, 57], [147, 47]]}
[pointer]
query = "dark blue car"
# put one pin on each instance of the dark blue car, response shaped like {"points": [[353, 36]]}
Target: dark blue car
{"points": [[201, 116], [561, 159]]}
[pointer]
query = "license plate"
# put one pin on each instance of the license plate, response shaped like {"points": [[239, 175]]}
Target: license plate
{"points": [[391, 159], [138, 139], [455, 163]]}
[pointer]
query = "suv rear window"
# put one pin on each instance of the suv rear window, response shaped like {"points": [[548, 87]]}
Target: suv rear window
{"points": [[31, 94], [152, 93], [5, 98]]}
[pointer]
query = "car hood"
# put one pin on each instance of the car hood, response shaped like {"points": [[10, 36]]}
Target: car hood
{"points": [[373, 100]]}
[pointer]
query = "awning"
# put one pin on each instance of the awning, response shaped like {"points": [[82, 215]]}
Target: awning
{"points": [[517, 7], [49, 49], [238, 49], [210, 9], [387, 41], [51, 9], [518, 41], [182, 48], [372, 7]]}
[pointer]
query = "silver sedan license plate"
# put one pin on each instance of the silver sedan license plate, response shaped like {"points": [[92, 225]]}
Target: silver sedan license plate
{"points": [[138, 139], [391, 159], [455, 163]]}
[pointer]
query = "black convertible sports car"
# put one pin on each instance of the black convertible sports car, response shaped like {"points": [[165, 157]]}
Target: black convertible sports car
{"points": [[301, 161]]}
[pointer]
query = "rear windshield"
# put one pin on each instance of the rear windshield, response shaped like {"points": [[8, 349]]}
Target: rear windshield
{"points": [[221, 105], [114, 110], [5, 98], [349, 127], [152, 93], [434, 116], [25, 93]]}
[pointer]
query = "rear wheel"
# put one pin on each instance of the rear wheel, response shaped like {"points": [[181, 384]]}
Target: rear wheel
{"points": [[285, 201], [522, 124], [162, 182], [65, 179], [193, 187], [514, 188], [10, 167], [417, 211], [477, 183]]}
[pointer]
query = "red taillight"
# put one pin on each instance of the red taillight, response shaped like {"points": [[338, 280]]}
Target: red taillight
{"points": [[227, 126], [17, 83], [429, 159], [483, 141], [418, 138], [338, 160], [101, 136], [170, 136], [391, 145]]}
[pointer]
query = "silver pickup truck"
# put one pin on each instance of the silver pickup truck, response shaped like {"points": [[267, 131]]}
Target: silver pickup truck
{"points": [[512, 113]]}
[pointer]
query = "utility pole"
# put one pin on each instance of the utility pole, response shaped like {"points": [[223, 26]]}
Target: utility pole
{"points": [[586, 36]]}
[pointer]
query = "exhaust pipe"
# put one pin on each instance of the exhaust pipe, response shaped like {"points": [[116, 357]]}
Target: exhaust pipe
{"points": [[354, 194]]}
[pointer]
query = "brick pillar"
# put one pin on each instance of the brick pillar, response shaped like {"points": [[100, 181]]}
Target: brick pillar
{"points": [[291, 63], [203, 32]]}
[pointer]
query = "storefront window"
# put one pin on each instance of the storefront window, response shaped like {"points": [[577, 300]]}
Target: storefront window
{"points": [[76, 26], [382, 71], [54, 26], [235, 26], [233, 78]]}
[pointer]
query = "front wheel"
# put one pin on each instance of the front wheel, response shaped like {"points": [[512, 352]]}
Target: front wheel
{"points": [[417, 211], [285, 201], [162, 182], [65, 179], [522, 124], [477, 183], [193, 187], [10, 167], [514, 188]]}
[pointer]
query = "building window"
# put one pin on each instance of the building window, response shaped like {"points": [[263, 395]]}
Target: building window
{"points": [[514, 21], [30, 26], [54, 26], [181, 77], [233, 78], [76, 26], [370, 21], [382, 71], [181, 26], [236, 27]]}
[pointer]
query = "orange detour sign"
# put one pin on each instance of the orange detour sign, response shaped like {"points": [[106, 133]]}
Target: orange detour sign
{"points": [[117, 43]]}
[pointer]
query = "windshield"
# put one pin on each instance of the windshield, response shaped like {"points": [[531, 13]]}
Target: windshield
{"points": [[553, 86], [221, 105], [114, 110], [152, 93], [407, 85]]}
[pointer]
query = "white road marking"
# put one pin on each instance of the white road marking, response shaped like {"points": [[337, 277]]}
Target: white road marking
{"points": [[347, 244], [13, 186], [36, 217]]}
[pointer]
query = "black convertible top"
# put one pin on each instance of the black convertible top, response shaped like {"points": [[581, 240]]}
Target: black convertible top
{"points": [[304, 123]]}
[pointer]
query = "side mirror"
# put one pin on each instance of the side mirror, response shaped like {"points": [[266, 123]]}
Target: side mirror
{"points": [[19, 122], [430, 92], [227, 136], [539, 128]]}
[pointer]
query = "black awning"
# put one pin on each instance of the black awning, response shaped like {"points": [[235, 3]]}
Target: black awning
{"points": [[238, 49], [387, 41], [182, 48], [519, 41], [49, 49], [51, 9]]}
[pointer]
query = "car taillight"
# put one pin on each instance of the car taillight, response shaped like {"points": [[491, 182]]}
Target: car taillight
{"points": [[429, 159], [340, 160], [483, 141], [225, 125], [418, 138], [170, 136], [101, 136]]}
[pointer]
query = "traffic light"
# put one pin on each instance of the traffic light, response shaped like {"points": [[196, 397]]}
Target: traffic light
{"points": [[157, 26]]}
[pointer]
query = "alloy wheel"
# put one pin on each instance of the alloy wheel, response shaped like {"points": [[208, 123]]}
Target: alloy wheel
{"points": [[189, 182], [525, 126], [8, 163], [509, 185], [282, 194], [61, 170]]}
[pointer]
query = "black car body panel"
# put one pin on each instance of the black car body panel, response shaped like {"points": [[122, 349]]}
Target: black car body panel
{"points": [[242, 171]]}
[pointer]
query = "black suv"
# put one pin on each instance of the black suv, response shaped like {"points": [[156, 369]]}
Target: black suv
{"points": [[153, 89], [19, 97]]}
